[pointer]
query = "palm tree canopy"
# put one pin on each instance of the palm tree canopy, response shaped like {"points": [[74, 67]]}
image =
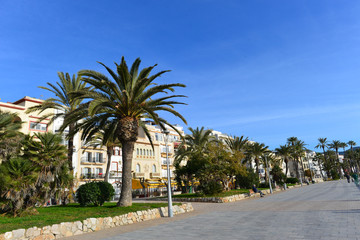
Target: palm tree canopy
{"points": [[323, 143], [128, 97], [8, 124], [195, 143], [335, 144], [283, 151], [63, 101], [292, 140], [237, 143]]}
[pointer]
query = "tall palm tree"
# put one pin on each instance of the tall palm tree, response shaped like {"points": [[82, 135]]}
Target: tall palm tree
{"points": [[298, 153], [352, 144], [284, 151], [127, 98], [256, 151], [292, 140], [336, 144], [323, 143], [64, 103]]}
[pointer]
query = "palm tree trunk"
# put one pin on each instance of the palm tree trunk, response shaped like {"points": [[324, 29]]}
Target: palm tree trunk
{"points": [[257, 167], [126, 185], [108, 164], [286, 166], [71, 147]]}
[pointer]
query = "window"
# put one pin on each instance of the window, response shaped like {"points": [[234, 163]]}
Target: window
{"points": [[98, 157], [154, 168], [140, 151], [137, 151], [147, 152], [38, 126], [117, 152], [88, 156], [138, 168]]}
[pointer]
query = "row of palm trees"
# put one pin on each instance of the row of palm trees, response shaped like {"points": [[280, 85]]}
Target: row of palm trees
{"points": [[351, 166], [109, 108], [294, 150]]}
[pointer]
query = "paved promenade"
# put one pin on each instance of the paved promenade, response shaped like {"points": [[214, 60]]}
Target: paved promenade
{"points": [[328, 210]]}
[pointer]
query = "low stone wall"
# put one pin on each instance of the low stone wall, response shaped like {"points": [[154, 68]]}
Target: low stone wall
{"points": [[67, 229], [232, 198]]}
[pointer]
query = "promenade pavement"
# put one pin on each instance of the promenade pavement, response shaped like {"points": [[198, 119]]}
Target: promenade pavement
{"points": [[329, 210]]}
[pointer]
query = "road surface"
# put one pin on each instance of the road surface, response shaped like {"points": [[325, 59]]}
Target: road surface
{"points": [[329, 210]]}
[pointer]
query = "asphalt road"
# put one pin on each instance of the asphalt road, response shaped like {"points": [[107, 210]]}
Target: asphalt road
{"points": [[329, 210]]}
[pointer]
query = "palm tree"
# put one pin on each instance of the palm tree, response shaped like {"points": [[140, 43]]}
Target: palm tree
{"points": [[95, 136], [336, 144], [284, 151], [298, 152], [46, 151], [194, 143], [128, 98], [256, 151], [237, 143], [292, 140], [17, 180], [10, 137], [64, 103], [352, 144]]}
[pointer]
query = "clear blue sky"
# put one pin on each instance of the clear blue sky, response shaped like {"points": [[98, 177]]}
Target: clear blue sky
{"points": [[264, 69]]}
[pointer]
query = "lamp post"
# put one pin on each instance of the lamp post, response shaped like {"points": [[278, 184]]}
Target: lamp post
{"points": [[267, 168], [170, 211]]}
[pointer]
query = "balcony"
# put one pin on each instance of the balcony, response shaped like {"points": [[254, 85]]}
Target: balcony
{"points": [[115, 175], [138, 174], [163, 154], [92, 175], [154, 175], [85, 160]]}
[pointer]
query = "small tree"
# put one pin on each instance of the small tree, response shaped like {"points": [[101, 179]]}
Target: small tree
{"points": [[278, 175]]}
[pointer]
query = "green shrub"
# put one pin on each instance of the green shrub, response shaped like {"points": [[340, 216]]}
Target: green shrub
{"points": [[292, 180], [334, 174], [210, 188], [94, 193], [106, 192], [247, 180], [277, 175]]}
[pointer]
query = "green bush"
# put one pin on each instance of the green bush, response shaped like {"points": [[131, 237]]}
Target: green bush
{"points": [[264, 185], [247, 180], [94, 193], [292, 180], [334, 174], [210, 188], [277, 175], [106, 192]]}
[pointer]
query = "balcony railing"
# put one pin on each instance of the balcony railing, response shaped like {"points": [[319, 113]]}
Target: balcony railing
{"points": [[92, 160], [138, 175], [92, 175], [154, 175]]}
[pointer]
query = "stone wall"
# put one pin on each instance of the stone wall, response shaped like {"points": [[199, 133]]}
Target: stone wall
{"points": [[232, 198], [67, 229]]}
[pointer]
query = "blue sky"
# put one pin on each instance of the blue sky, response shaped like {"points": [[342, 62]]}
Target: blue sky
{"points": [[268, 70]]}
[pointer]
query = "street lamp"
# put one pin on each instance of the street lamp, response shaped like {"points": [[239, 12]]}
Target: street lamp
{"points": [[166, 136], [267, 168]]}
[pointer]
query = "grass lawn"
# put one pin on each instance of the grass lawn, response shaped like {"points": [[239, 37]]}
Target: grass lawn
{"points": [[223, 194], [70, 213]]}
